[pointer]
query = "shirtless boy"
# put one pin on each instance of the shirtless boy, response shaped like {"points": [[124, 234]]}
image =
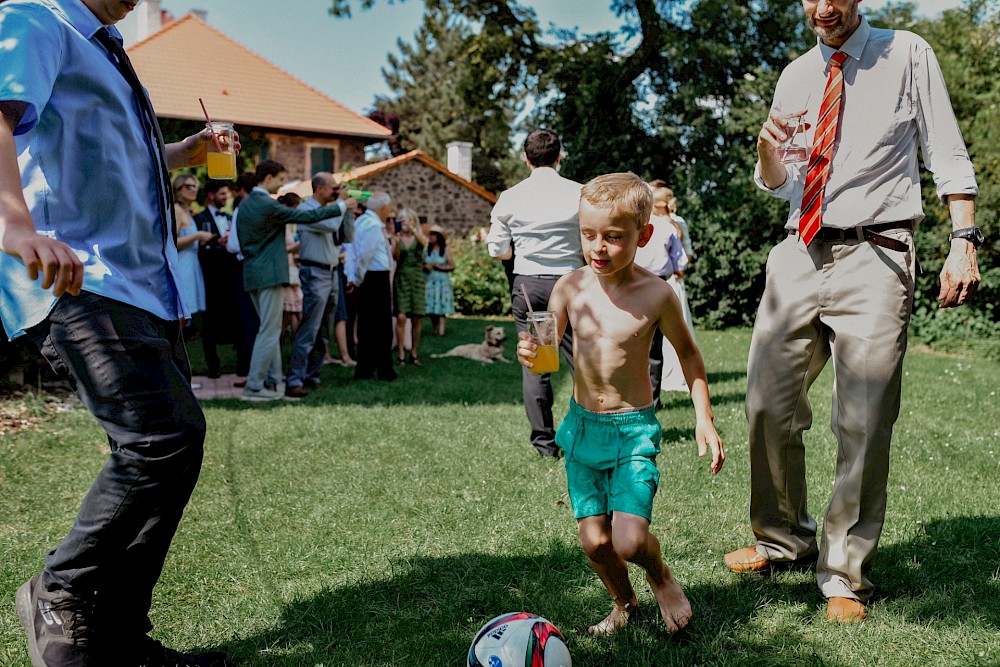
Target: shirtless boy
{"points": [[611, 436]]}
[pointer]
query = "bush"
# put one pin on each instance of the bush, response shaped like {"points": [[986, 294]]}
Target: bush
{"points": [[479, 282]]}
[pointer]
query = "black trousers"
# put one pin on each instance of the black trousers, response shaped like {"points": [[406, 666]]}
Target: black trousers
{"points": [[130, 369], [374, 328], [537, 388]]}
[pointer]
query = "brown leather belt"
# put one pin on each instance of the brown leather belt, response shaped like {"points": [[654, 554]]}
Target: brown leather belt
{"points": [[868, 233]]}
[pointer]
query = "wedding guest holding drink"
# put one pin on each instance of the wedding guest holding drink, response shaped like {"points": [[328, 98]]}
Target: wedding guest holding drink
{"points": [[610, 435], [841, 286], [438, 262], [89, 273], [189, 238]]}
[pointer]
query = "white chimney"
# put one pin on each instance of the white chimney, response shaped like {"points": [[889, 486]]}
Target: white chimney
{"points": [[147, 19], [460, 159]]}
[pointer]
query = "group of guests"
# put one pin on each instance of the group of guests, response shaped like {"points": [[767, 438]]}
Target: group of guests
{"points": [[280, 267]]}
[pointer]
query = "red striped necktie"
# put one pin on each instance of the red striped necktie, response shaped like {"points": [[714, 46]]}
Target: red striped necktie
{"points": [[811, 217]]}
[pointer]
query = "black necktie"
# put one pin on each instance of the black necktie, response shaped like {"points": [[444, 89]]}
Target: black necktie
{"points": [[157, 152]]}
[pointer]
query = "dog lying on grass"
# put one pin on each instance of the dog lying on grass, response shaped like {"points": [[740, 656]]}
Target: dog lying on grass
{"points": [[490, 350]]}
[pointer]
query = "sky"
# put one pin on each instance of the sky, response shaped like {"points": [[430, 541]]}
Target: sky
{"points": [[343, 57]]}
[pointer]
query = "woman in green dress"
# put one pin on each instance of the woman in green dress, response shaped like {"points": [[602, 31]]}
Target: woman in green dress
{"points": [[408, 284]]}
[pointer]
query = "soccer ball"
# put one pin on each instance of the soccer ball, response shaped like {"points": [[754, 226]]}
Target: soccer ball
{"points": [[519, 639]]}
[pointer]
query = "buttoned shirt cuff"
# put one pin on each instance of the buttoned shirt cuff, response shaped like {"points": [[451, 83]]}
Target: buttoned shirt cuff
{"points": [[783, 191]]}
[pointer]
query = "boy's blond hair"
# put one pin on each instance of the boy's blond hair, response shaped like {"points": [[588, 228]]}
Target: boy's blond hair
{"points": [[623, 193]]}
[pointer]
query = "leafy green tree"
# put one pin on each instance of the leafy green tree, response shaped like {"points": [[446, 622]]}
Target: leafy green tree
{"points": [[431, 79], [682, 97]]}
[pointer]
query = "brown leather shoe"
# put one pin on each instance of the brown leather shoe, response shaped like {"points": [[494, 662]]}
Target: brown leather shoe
{"points": [[845, 610], [746, 559], [295, 393]]}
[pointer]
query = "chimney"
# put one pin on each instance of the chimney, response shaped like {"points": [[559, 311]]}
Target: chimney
{"points": [[460, 159], [148, 19]]}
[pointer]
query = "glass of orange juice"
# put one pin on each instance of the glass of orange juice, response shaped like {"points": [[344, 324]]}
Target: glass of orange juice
{"points": [[222, 152], [542, 329]]}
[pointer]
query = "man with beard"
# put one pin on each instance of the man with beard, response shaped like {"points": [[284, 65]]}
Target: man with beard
{"points": [[841, 285]]}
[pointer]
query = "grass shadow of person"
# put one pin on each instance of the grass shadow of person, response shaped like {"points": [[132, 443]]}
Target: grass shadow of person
{"points": [[949, 574], [429, 608]]}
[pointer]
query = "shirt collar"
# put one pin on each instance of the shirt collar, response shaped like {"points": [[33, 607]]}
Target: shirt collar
{"points": [[81, 18], [853, 47], [543, 172], [261, 190]]}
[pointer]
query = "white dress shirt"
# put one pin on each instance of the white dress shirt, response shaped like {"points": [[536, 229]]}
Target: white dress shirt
{"points": [[664, 254], [895, 100], [369, 251], [540, 216]]}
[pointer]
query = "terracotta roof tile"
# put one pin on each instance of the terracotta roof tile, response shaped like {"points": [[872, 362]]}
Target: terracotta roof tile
{"points": [[172, 63]]}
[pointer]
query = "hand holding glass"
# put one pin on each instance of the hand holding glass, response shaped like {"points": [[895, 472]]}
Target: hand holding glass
{"points": [[542, 329], [794, 147], [222, 152]]}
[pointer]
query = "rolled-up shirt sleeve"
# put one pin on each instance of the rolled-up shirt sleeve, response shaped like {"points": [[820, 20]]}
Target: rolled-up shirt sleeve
{"points": [[945, 154], [783, 191]]}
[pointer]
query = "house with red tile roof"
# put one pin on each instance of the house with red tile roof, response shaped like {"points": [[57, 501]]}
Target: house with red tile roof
{"points": [[305, 130]]}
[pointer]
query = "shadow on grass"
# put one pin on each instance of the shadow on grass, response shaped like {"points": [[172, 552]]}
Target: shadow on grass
{"points": [[427, 612], [951, 574]]}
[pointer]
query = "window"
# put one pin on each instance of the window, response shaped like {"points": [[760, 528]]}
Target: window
{"points": [[320, 159]]}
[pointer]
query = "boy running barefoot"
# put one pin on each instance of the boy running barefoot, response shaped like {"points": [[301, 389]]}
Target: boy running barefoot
{"points": [[611, 436]]}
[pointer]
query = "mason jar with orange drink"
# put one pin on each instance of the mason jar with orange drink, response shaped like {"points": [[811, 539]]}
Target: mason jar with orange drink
{"points": [[221, 152]]}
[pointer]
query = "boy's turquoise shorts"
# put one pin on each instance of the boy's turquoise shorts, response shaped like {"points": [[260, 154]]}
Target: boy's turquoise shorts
{"points": [[611, 460]]}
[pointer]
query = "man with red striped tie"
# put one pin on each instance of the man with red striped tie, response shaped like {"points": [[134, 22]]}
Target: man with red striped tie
{"points": [[841, 285]]}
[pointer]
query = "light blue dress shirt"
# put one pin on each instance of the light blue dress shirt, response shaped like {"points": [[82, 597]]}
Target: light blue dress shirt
{"points": [[370, 249], [86, 170]]}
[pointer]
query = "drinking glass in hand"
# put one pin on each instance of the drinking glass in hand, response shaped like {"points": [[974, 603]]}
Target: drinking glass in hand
{"points": [[794, 148], [542, 328]]}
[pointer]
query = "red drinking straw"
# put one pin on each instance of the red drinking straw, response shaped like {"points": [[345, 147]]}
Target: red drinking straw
{"points": [[208, 120]]}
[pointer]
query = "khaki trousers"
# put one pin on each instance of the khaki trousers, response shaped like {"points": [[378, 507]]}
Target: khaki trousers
{"points": [[850, 301]]}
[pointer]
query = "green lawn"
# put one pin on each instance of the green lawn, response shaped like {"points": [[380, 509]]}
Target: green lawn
{"points": [[382, 524]]}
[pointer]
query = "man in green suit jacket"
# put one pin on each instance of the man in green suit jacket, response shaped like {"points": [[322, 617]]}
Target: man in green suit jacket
{"points": [[260, 225]]}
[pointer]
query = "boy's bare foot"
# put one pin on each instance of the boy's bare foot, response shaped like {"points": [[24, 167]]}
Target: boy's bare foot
{"points": [[619, 617], [674, 606]]}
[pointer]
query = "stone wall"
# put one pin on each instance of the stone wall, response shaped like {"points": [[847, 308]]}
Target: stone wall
{"points": [[437, 199], [292, 151]]}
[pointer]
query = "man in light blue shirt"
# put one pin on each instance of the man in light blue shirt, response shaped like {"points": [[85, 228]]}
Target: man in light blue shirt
{"points": [[367, 265], [319, 258], [88, 271]]}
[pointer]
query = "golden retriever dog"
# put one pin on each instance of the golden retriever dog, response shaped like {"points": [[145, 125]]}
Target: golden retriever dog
{"points": [[490, 350]]}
